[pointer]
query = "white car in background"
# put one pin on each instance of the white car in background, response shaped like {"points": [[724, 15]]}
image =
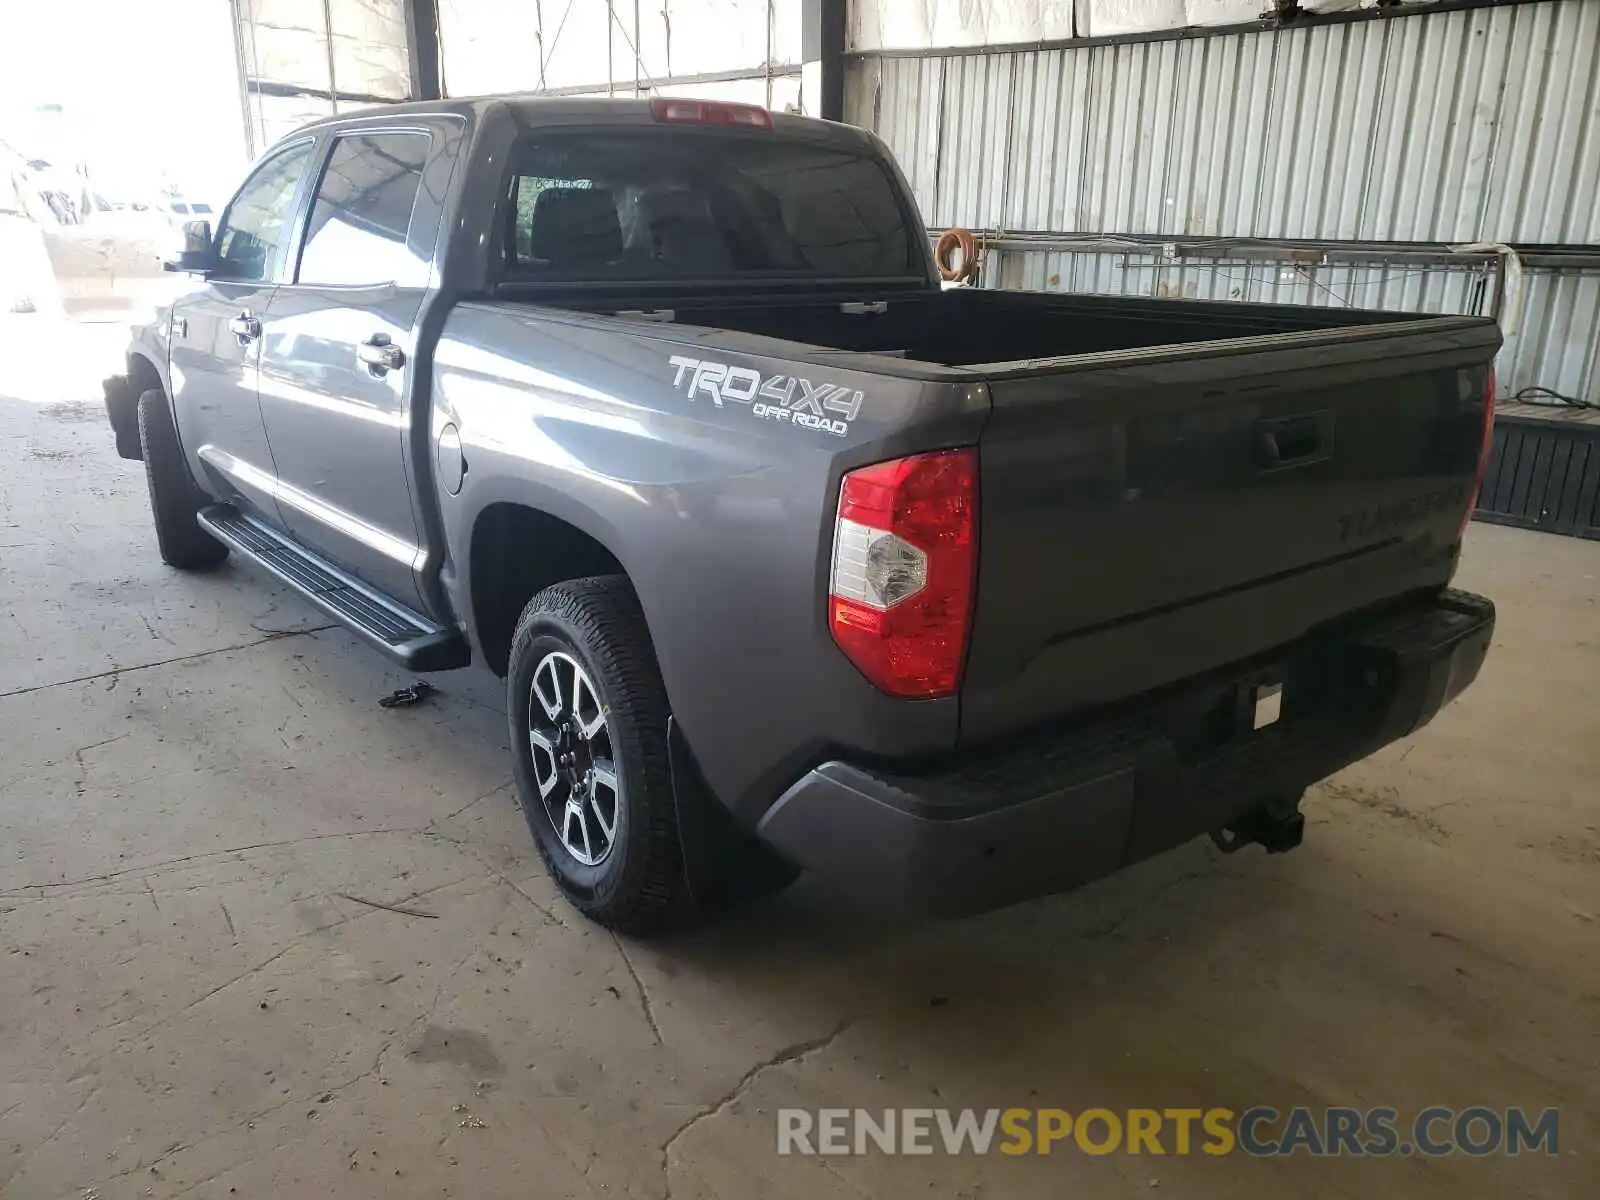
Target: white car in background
{"points": [[179, 210]]}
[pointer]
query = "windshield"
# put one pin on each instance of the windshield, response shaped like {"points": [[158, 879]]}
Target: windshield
{"points": [[675, 204]]}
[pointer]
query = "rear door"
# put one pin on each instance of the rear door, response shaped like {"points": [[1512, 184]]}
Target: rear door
{"points": [[216, 333], [338, 355], [1151, 515]]}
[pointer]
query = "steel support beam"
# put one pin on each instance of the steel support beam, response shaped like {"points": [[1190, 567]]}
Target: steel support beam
{"points": [[1296, 18], [268, 87], [822, 42], [771, 71], [422, 45]]}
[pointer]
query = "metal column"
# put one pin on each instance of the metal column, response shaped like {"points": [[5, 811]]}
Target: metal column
{"points": [[822, 42], [422, 45]]}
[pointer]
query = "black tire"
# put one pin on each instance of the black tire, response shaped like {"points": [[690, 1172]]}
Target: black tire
{"points": [[639, 885], [174, 498]]}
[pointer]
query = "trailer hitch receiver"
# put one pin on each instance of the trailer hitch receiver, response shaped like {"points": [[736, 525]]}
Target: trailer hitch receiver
{"points": [[1277, 825]]}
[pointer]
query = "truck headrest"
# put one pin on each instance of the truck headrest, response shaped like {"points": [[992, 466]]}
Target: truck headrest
{"points": [[682, 230], [575, 228]]}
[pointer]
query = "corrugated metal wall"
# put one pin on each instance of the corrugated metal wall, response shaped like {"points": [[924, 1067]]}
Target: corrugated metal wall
{"points": [[1463, 126], [1553, 335]]}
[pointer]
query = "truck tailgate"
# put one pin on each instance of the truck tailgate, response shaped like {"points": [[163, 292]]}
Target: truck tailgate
{"points": [[1151, 515]]}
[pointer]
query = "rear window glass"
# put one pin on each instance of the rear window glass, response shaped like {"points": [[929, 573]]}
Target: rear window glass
{"points": [[688, 204]]}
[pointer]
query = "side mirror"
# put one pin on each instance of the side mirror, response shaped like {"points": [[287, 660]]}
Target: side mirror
{"points": [[198, 255]]}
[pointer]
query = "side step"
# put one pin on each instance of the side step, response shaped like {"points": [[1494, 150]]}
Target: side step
{"points": [[409, 638]]}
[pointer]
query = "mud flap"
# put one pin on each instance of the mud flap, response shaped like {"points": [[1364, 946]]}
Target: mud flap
{"points": [[725, 864], [122, 407]]}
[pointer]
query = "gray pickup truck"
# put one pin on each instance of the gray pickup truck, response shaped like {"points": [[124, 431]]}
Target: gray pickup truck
{"points": [[791, 558]]}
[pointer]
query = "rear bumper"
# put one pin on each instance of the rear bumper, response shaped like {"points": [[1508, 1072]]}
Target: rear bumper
{"points": [[1065, 807]]}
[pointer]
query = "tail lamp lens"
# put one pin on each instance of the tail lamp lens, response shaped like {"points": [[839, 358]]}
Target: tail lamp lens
{"points": [[904, 558], [1484, 449]]}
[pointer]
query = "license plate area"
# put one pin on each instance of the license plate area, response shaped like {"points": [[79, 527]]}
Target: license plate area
{"points": [[1260, 699], [1266, 705], [1235, 710]]}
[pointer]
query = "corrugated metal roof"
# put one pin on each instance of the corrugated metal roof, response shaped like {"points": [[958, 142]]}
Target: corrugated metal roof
{"points": [[1481, 124]]}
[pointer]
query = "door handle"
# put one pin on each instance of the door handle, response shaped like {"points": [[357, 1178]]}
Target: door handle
{"points": [[1294, 441], [245, 327], [379, 353]]}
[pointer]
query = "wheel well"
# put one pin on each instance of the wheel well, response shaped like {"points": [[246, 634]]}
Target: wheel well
{"points": [[516, 553], [142, 375]]}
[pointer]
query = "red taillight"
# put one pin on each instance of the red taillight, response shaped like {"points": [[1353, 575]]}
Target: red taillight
{"points": [[1483, 449], [904, 557], [710, 112]]}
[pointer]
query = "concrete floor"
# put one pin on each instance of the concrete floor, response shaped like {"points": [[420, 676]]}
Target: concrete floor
{"points": [[198, 790]]}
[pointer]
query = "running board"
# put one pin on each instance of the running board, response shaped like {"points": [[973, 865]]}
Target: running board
{"points": [[409, 638]]}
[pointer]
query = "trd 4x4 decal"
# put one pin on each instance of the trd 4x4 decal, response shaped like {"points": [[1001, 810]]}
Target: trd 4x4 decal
{"points": [[825, 407]]}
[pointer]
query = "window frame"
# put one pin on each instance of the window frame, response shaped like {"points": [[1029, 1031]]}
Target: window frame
{"points": [[422, 252], [293, 227]]}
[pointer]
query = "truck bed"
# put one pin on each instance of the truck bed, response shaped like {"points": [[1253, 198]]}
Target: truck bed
{"points": [[1166, 488], [964, 327]]}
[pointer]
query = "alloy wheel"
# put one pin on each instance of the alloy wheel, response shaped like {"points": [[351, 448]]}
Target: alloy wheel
{"points": [[573, 763]]}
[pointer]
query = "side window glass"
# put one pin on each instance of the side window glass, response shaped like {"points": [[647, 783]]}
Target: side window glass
{"points": [[255, 231], [361, 219]]}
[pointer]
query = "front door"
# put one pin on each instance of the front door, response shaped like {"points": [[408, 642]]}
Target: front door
{"points": [[215, 335], [337, 359]]}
